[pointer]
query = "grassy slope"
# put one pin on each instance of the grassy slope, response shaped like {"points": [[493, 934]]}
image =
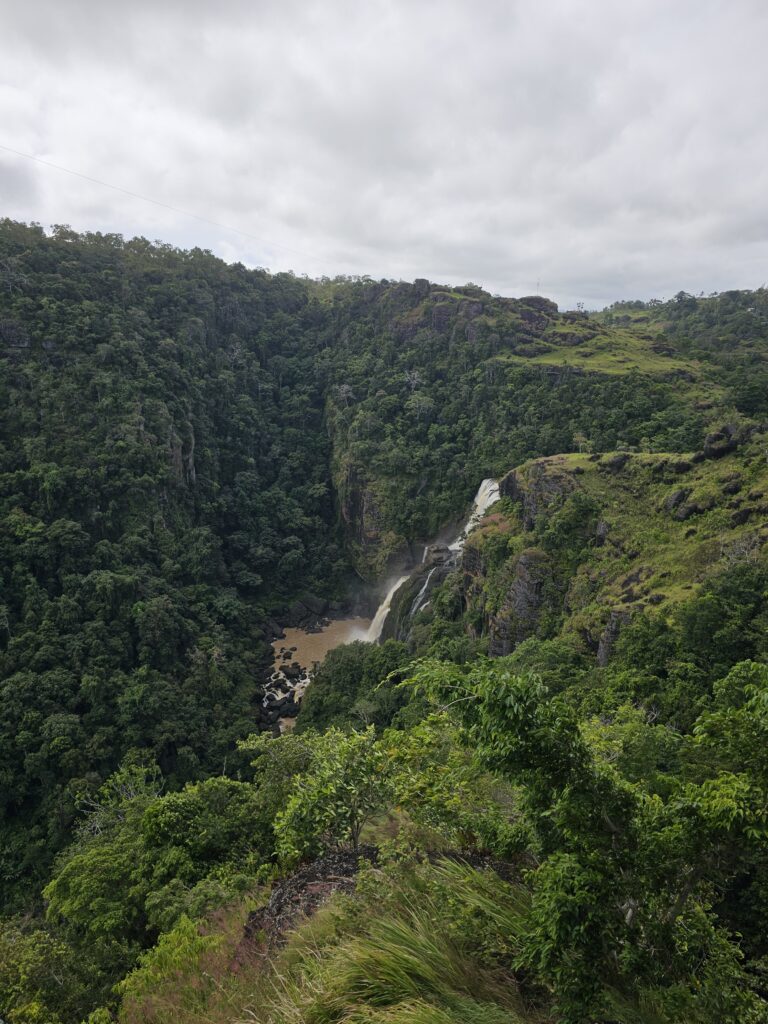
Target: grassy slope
{"points": [[591, 344], [649, 554], [397, 953]]}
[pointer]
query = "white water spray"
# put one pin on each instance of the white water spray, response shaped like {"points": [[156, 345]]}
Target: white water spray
{"points": [[421, 594], [375, 628], [487, 494]]}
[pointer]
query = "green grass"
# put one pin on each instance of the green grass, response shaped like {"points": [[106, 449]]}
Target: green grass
{"points": [[614, 350], [407, 950], [412, 961], [417, 944], [673, 557]]}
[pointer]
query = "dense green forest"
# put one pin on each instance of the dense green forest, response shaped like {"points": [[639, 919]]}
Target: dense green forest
{"points": [[543, 798]]}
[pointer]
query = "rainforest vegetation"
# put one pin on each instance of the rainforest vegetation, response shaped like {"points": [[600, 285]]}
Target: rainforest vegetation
{"points": [[543, 798]]}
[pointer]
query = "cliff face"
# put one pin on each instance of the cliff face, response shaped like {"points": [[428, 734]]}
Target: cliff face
{"points": [[521, 607], [390, 479], [537, 488], [361, 515], [523, 591], [582, 544]]}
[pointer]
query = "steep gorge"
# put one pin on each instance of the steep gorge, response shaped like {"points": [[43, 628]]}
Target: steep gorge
{"points": [[196, 459], [194, 455]]}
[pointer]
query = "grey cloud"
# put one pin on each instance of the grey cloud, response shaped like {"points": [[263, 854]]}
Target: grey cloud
{"points": [[602, 149], [17, 186]]}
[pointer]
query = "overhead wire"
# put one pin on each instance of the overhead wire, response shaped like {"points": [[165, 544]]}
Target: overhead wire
{"points": [[155, 202]]}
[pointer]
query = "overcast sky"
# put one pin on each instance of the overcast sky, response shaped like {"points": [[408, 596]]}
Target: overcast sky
{"points": [[593, 149]]}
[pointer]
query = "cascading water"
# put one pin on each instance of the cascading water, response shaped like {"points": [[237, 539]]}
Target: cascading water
{"points": [[421, 594], [487, 494], [376, 626]]}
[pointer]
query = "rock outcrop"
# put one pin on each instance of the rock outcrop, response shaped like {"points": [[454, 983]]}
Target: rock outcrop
{"points": [[536, 488], [610, 635], [519, 614], [300, 895]]}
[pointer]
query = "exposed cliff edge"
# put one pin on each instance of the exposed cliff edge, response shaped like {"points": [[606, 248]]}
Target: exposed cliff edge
{"points": [[580, 544]]}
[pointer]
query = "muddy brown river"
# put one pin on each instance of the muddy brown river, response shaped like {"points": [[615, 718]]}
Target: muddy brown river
{"points": [[311, 648]]}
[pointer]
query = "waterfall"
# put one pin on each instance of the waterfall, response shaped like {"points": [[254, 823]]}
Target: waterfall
{"points": [[374, 630], [487, 494], [420, 596]]}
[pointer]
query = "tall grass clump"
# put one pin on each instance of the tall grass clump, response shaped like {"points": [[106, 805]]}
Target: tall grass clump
{"points": [[422, 956]]}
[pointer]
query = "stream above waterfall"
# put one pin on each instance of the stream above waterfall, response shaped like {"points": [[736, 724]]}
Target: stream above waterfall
{"points": [[298, 652]]}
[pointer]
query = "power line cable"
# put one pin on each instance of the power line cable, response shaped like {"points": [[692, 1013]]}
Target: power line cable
{"points": [[155, 202]]}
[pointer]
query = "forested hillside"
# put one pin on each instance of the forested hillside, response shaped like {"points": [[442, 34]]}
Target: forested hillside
{"points": [[544, 797], [164, 485]]}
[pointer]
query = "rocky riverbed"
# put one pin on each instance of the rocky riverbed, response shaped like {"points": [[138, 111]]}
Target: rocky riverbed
{"points": [[298, 651]]}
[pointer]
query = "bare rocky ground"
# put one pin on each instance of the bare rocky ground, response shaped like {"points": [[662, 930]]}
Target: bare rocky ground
{"points": [[300, 895]]}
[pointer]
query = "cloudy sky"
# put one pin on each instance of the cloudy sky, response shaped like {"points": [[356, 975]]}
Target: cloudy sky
{"points": [[593, 149]]}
